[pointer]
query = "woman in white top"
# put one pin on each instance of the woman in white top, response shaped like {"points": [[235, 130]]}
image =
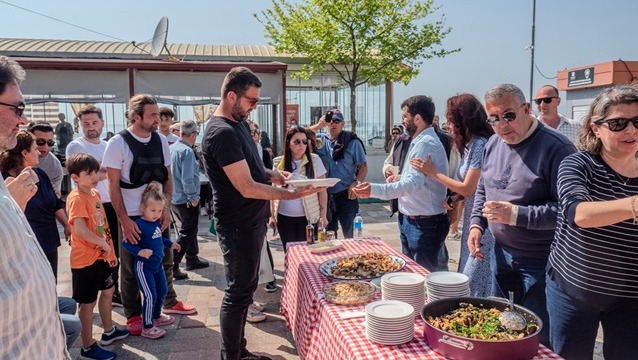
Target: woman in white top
{"points": [[291, 216]]}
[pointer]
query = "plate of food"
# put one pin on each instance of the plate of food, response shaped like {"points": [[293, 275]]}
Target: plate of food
{"points": [[349, 292], [324, 247], [361, 267], [329, 182]]}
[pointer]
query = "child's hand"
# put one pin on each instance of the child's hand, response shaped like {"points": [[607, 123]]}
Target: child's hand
{"points": [[176, 246], [113, 263], [145, 253]]}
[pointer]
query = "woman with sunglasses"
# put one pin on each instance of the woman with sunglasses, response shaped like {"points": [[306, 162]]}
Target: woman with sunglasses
{"points": [[468, 125], [44, 207], [592, 275], [291, 216]]}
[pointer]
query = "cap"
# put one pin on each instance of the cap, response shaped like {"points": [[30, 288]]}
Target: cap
{"points": [[337, 115]]}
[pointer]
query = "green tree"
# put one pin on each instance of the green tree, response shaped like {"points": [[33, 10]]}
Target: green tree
{"points": [[363, 41]]}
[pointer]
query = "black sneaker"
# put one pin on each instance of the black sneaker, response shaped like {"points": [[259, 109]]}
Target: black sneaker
{"points": [[199, 263], [179, 275], [271, 286], [247, 355]]}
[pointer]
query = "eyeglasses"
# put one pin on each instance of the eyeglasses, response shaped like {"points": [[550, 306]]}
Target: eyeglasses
{"points": [[300, 141], [546, 100], [618, 124], [42, 142], [252, 101], [507, 117], [395, 133], [18, 109]]}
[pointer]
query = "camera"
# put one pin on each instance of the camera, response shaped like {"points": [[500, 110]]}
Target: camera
{"points": [[328, 116]]}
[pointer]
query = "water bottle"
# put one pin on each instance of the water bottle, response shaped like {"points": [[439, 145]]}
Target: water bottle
{"points": [[357, 226], [310, 233]]}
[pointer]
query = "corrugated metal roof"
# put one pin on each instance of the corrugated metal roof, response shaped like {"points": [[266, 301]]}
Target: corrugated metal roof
{"points": [[123, 50]]}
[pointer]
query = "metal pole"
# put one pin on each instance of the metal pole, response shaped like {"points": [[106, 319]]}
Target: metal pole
{"points": [[531, 73]]}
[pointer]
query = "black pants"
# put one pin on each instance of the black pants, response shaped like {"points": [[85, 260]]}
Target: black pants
{"points": [[186, 220], [341, 211], [291, 229], [241, 249], [114, 228], [53, 261]]}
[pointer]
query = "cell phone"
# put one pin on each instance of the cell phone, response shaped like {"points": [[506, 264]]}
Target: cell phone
{"points": [[328, 116]]}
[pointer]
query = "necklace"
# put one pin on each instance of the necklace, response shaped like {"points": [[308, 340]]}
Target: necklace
{"points": [[622, 178]]}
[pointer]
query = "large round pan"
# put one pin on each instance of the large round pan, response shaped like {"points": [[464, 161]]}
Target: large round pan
{"points": [[459, 347]]}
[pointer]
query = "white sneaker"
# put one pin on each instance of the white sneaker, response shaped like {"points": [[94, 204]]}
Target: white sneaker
{"points": [[258, 306], [254, 315]]}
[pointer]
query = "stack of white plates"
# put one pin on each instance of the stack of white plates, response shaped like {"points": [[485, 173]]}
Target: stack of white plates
{"points": [[404, 286], [389, 322], [446, 284]]}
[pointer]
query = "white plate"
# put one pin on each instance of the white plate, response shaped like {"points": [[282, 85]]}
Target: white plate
{"points": [[314, 182], [324, 247], [446, 278], [402, 279], [389, 309]]}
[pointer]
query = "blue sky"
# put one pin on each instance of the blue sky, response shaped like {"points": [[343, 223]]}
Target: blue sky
{"points": [[492, 34]]}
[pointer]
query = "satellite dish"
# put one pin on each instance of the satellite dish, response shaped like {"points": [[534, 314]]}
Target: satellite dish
{"points": [[159, 37]]}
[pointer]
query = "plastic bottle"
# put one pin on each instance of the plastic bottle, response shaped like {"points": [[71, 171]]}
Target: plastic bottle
{"points": [[310, 233], [357, 227]]}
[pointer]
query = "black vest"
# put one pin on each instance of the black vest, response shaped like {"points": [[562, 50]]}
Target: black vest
{"points": [[148, 161]]}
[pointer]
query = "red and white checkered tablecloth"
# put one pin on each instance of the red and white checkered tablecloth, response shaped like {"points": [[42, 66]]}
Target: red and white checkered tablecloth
{"points": [[318, 330]]}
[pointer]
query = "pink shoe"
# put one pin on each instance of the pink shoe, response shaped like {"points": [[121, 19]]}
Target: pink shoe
{"points": [[181, 309], [163, 320], [134, 325], [153, 333]]}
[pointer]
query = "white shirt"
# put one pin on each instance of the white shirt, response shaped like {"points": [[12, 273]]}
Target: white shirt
{"points": [[53, 168], [82, 145], [119, 156], [294, 208]]}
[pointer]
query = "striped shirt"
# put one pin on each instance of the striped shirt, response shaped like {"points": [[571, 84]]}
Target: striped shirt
{"points": [[30, 325], [598, 264]]}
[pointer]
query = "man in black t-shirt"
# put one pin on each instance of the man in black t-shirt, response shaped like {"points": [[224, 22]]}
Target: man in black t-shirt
{"points": [[240, 200]]}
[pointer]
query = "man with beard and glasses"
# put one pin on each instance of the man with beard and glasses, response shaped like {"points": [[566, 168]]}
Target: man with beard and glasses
{"points": [[240, 199], [133, 158], [92, 123], [48, 162], [423, 221]]}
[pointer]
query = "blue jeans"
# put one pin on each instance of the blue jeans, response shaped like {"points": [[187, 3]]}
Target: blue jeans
{"points": [[341, 211], [575, 322], [524, 276], [70, 322], [241, 249], [423, 240]]}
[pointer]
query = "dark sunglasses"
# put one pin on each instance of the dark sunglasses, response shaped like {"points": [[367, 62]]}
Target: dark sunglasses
{"points": [[618, 124], [18, 109], [546, 100], [336, 121], [395, 133], [42, 142], [300, 141], [507, 117]]}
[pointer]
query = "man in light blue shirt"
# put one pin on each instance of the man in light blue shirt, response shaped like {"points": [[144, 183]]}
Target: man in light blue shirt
{"points": [[423, 220], [185, 201]]}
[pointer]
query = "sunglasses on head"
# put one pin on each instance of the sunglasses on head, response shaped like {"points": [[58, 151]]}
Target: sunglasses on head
{"points": [[546, 100], [42, 142], [17, 109], [300, 141], [507, 117], [618, 124]]}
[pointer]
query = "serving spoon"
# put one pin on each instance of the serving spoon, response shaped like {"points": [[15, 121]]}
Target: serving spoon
{"points": [[512, 320]]}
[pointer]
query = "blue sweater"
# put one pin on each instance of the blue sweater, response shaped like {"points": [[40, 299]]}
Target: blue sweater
{"points": [[524, 174], [150, 238]]}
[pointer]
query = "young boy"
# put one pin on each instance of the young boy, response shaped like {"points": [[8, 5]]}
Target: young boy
{"points": [[92, 255]]}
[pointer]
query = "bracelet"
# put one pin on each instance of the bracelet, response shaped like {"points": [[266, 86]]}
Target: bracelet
{"points": [[476, 226], [633, 208]]}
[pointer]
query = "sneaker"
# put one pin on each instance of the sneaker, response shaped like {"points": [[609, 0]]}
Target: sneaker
{"points": [[134, 325], [199, 263], [271, 286], [95, 352], [117, 300], [117, 334], [153, 333], [181, 309], [254, 315], [163, 320], [247, 355], [179, 274], [258, 306]]}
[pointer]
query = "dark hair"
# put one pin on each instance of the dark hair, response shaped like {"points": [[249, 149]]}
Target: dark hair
{"points": [[90, 109], [136, 106], [167, 112], [287, 159], [79, 162], [422, 105], [10, 73], [153, 192], [551, 86], [39, 125], [238, 80], [13, 159], [469, 118]]}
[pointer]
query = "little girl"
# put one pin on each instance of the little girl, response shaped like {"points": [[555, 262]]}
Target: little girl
{"points": [[149, 252]]}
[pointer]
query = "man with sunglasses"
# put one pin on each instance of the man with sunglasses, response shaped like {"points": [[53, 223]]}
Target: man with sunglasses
{"points": [[49, 163], [517, 198], [547, 101]]}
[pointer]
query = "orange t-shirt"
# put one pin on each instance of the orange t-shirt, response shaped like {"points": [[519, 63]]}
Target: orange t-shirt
{"points": [[81, 205]]}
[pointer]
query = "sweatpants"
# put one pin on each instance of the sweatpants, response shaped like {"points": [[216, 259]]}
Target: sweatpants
{"points": [[152, 283]]}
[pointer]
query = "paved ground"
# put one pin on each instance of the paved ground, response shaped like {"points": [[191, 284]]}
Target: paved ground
{"points": [[197, 337]]}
